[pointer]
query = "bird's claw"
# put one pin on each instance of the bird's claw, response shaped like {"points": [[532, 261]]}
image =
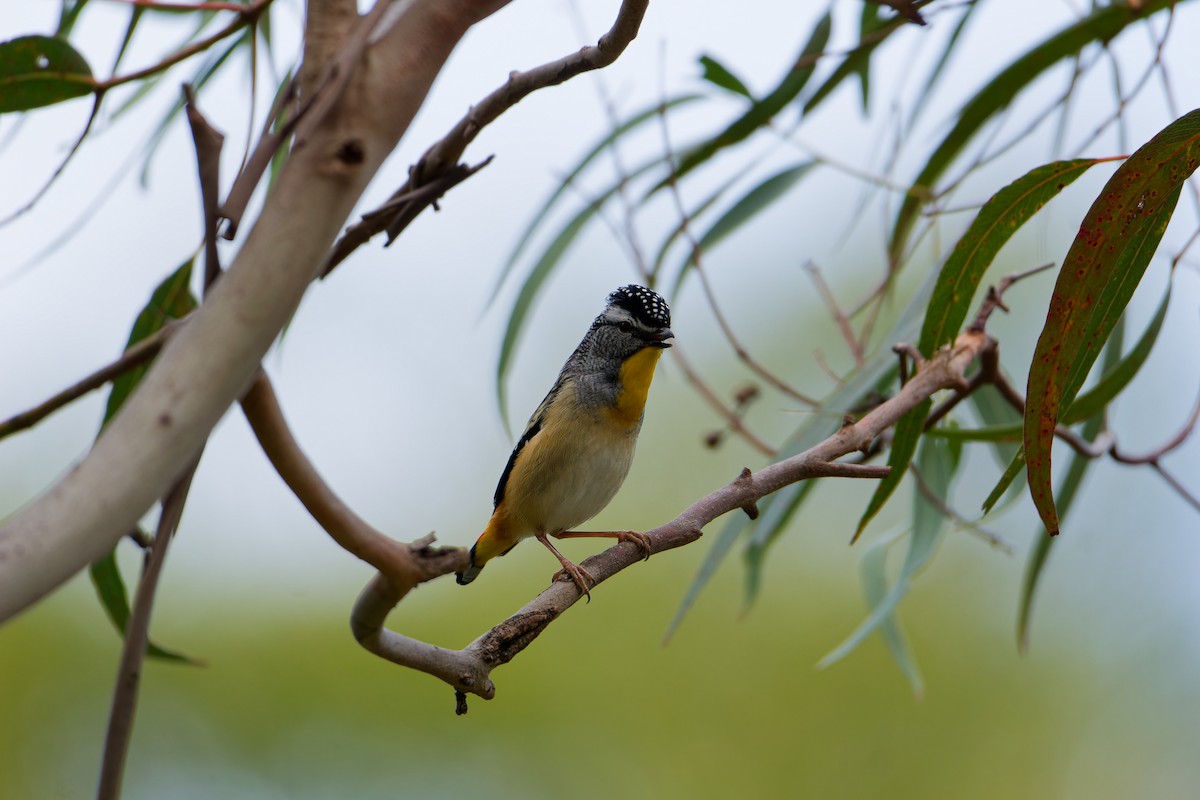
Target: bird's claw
{"points": [[578, 574], [639, 539]]}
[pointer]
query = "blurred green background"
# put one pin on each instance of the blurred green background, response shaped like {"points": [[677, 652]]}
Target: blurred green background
{"points": [[387, 377]]}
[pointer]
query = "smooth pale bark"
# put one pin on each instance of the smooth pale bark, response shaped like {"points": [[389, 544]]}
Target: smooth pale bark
{"points": [[210, 362]]}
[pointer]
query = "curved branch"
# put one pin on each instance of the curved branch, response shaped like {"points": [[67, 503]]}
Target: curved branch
{"points": [[468, 670], [212, 361], [351, 532]]}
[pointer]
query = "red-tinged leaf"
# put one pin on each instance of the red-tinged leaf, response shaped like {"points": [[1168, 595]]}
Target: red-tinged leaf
{"points": [[1000, 218], [1106, 262]]}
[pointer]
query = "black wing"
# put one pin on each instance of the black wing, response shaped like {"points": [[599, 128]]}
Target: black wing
{"points": [[531, 430]]}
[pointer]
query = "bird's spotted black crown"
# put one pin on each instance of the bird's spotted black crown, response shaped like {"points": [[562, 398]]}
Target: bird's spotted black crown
{"points": [[647, 306]]}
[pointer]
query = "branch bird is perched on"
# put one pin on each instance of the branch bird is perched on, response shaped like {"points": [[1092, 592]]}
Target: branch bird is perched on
{"points": [[578, 445]]}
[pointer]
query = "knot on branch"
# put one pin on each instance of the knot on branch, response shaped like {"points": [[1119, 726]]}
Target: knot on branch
{"points": [[501, 644]]}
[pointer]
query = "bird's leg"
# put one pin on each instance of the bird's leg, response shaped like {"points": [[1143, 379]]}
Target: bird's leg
{"points": [[639, 539], [577, 573]]}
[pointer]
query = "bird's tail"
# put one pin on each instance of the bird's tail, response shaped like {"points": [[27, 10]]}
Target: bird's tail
{"points": [[494, 541], [472, 572]]}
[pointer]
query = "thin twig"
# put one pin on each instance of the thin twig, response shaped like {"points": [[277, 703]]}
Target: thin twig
{"points": [[697, 262], [946, 510], [208, 142], [135, 356], [137, 636], [446, 152], [246, 14], [839, 316]]}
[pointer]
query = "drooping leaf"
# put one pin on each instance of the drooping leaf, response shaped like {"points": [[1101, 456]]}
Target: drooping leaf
{"points": [[778, 515], [171, 300], [938, 463], [633, 123], [1102, 25], [875, 586], [68, 15], [993, 226], [764, 110], [147, 85], [529, 292], [1016, 467], [110, 589], [1042, 542], [904, 446], [871, 21], [878, 370], [135, 16], [995, 412], [746, 208], [1115, 243], [854, 63], [37, 71], [935, 74], [718, 75], [686, 225], [212, 63]]}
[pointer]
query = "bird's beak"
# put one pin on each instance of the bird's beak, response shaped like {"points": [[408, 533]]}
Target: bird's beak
{"points": [[659, 338]]}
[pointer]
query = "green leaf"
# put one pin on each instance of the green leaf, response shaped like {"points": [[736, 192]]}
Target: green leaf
{"points": [[716, 74], [110, 588], [775, 522], [633, 123], [37, 71], [995, 412], [1115, 243], [1067, 492], [1103, 25], [688, 223], [777, 508], [1114, 380], [875, 586], [171, 300], [1069, 487], [935, 74], [1010, 432], [870, 22], [529, 292], [992, 227], [68, 15], [742, 211], [764, 110], [938, 463], [1015, 467], [855, 63], [904, 446]]}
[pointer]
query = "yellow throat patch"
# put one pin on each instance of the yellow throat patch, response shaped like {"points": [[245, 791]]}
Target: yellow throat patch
{"points": [[636, 374]]}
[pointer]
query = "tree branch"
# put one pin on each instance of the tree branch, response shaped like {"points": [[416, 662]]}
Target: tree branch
{"points": [[137, 637], [212, 361], [469, 670], [444, 155]]}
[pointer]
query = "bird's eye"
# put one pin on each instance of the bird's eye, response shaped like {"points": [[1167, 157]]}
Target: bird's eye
{"points": [[625, 327]]}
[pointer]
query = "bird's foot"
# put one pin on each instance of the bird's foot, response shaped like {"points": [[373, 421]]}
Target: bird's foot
{"points": [[573, 572], [639, 539]]}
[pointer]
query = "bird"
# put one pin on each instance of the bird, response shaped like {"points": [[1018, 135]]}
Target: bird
{"points": [[576, 449]]}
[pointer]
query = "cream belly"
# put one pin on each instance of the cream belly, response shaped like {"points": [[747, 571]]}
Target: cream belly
{"points": [[564, 479]]}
